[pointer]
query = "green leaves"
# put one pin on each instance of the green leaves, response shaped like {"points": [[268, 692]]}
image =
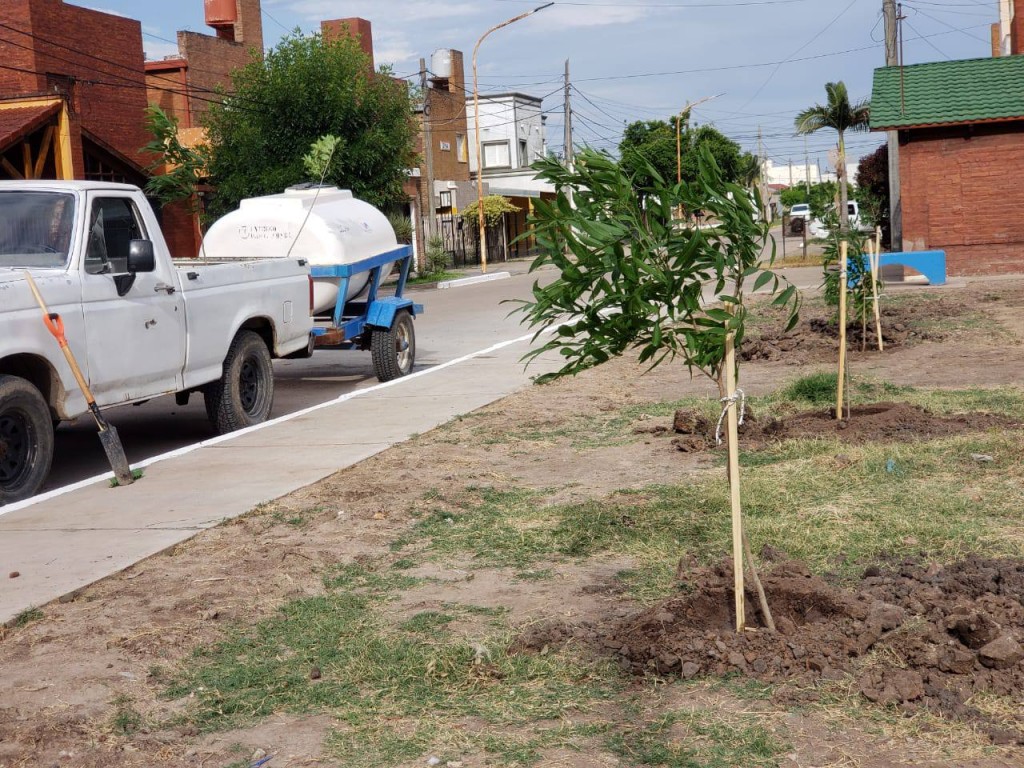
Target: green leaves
{"points": [[305, 88], [633, 277]]}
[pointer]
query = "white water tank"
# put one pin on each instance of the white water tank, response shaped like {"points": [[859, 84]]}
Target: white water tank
{"points": [[325, 225], [441, 64]]}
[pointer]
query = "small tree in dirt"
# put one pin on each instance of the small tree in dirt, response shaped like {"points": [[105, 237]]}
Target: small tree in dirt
{"points": [[632, 277]]}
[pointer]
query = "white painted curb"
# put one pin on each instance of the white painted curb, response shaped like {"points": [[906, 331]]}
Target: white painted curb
{"points": [[470, 280]]}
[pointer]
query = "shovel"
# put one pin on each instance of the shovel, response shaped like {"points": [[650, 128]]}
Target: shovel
{"points": [[108, 435]]}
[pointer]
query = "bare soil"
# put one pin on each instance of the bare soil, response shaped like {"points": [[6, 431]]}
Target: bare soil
{"points": [[870, 422], [958, 626]]}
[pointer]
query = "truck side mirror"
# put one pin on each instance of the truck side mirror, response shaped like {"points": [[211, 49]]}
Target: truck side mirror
{"points": [[140, 259], [140, 256]]}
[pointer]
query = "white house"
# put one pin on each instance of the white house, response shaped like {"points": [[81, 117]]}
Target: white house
{"points": [[512, 137]]}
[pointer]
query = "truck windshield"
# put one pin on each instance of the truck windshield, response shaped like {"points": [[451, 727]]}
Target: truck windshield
{"points": [[35, 228]]}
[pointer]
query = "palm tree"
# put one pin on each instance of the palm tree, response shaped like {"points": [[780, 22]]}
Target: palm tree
{"points": [[841, 116]]}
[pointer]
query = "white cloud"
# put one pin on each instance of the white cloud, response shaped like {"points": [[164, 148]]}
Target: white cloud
{"points": [[402, 11], [157, 49], [568, 16]]}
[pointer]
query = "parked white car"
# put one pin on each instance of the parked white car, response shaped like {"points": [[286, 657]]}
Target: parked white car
{"points": [[800, 211], [138, 325], [818, 228]]}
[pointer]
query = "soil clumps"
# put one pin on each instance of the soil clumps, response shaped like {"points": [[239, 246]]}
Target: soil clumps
{"points": [[874, 422], [913, 635]]}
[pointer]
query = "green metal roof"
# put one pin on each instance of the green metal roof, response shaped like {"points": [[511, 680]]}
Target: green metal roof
{"points": [[948, 93]]}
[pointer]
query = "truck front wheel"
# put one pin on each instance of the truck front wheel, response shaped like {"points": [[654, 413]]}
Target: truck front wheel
{"points": [[26, 439], [393, 350], [244, 394]]}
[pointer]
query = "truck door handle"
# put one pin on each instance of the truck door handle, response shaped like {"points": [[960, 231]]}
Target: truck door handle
{"points": [[168, 289]]}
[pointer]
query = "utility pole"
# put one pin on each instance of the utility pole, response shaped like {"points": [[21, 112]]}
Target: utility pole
{"points": [[807, 167], [892, 59], [429, 217], [568, 121], [761, 164]]}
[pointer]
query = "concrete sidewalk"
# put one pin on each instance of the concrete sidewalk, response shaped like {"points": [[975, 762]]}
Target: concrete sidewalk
{"points": [[60, 544]]}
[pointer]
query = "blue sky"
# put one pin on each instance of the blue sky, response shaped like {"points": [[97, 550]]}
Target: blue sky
{"points": [[764, 60]]}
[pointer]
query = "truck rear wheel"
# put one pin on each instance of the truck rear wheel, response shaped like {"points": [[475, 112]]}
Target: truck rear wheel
{"points": [[394, 349], [26, 439], [244, 394]]}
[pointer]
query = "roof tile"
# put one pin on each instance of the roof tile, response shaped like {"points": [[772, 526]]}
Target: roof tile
{"points": [[948, 93]]}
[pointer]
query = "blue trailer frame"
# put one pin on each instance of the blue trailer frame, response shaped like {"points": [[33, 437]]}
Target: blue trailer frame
{"points": [[351, 320]]}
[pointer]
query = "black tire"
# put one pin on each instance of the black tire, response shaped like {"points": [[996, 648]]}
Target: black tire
{"points": [[26, 439], [394, 349], [244, 394]]}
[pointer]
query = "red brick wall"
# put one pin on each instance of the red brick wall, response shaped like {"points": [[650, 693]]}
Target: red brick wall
{"points": [[361, 29], [211, 61], [167, 87], [13, 53], [179, 228], [964, 196], [102, 52], [1016, 26]]}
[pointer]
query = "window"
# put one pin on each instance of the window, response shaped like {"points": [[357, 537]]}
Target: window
{"points": [[113, 224], [460, 148], [35, 228], [497, 155], [524, 159]]}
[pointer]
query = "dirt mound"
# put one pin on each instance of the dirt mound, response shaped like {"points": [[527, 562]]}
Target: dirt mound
{"points": [[912, 635], [816, 338], [865, 423]]}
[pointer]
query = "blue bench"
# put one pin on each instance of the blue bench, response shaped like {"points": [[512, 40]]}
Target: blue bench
{"points": [[931, 264]]}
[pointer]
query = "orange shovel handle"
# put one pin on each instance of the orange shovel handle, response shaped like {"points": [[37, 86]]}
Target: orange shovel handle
{"points": [[56, 327]]}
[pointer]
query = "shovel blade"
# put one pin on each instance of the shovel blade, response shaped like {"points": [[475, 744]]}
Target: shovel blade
{"points": [[115, 455]]}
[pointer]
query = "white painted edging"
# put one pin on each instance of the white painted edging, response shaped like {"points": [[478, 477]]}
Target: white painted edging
{"points": [[58, 492], [470, 280]]}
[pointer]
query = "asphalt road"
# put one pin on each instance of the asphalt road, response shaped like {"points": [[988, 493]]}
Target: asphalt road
{"points": [[457, 321]]}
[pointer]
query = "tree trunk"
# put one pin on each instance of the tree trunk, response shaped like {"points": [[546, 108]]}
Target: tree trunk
{"points": [[844, 213]]}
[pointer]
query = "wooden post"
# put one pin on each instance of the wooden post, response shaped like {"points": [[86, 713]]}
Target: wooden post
{"points": [[843, 248], [732, 427], [875, 258]]}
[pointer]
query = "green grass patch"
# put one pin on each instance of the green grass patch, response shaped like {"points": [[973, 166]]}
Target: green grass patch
{"points": [[26, 617], [371, 673], [886, 499], [699, 739], [125, 720]]}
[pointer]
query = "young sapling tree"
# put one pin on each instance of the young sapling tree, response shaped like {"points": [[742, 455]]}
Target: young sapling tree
{"points": [[631, 277]]}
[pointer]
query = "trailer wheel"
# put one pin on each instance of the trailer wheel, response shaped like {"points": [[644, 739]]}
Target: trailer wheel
{"points": [[394, 349], [26, 439], [244, 394]]}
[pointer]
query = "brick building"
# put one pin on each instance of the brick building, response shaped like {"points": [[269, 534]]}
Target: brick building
{"points": [[74, 88], [184, 86], [961, 131], [441, 114], [68, 107], [442, 190]]}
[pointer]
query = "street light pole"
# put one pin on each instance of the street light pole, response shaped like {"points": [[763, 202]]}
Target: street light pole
{"points": [[679, 152], [482, 243]]}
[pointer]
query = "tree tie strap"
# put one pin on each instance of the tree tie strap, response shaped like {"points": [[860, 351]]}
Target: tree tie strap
{"points": [[737, 397]]}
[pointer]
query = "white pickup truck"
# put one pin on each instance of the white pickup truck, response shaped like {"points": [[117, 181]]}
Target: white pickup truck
{"points": [[139, 325]]}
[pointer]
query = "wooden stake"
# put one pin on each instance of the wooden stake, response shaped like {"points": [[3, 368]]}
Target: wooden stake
{"points": [[732, 426], [843, 248], [875, 259]]}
